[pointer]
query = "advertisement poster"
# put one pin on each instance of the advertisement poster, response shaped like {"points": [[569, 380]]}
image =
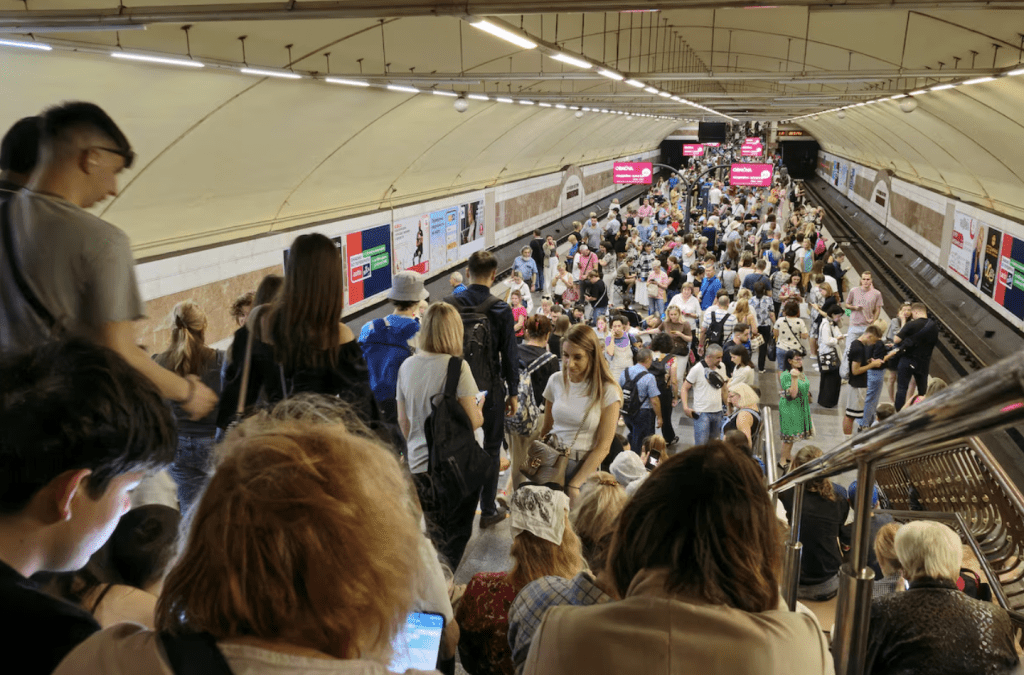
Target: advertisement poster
{"points": [[451, 230], [632, 173], [757, 175], [412, 244], [751, 151], [835, 174], [368, 263], [843, 173], [438, 239], [853, 178], [471, 217], [990, 267], [1009, 290], [693, 150], [965, 251]]}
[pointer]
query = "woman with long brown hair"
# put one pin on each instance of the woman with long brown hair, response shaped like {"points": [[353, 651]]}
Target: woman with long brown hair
{"points": [[300, 344], [824, 511], [187, 355], [696, 559]]}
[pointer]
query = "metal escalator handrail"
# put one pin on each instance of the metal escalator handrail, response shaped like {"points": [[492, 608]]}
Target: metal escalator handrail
{"points": [[768, 444], [990, 399], [958, 520]]}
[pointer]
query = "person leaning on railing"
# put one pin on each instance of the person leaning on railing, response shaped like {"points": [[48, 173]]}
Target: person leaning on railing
{"points": [[933, 627]]}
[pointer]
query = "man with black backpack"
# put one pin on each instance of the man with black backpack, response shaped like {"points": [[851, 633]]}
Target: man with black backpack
{"points": [[490, 349], [717, 322], [641, 405]]}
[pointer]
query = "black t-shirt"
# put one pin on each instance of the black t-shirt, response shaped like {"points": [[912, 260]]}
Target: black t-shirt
{"points": [[918, 338], [820, 526], [537, 252], [675, 280], [859, 353], [40, 630], [595, 289]]}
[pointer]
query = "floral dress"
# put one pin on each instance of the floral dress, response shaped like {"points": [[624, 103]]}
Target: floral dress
{"points": [[482, 615], [795, 416]]}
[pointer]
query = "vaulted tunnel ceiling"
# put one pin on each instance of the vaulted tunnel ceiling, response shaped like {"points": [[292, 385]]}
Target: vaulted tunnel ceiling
{"points": [[226, 155]]}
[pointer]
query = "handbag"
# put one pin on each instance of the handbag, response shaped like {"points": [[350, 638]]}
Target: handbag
{"points": [[652, 290], [757, 341], [829, 362], [547, 459]]}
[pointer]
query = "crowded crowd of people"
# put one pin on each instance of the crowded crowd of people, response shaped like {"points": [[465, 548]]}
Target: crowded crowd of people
{"points": [[328, 482]]}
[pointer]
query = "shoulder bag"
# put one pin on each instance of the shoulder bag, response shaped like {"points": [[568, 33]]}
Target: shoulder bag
{"points": [[547, 459], [799, 350]]}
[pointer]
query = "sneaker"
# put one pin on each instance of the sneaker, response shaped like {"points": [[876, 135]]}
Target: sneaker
{"points": [[494, 519]]}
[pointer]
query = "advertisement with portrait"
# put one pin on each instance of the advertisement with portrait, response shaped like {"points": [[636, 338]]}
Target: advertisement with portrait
{"points": [[412, 244], [471, 228], [966, 248], [990, 266]]}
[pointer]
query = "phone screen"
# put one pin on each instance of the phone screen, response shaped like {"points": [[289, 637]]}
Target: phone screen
{"points": [[653, 459], [418, 644]]}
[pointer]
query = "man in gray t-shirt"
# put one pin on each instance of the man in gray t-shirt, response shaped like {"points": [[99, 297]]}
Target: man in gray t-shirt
{"points": [[78, 267]]}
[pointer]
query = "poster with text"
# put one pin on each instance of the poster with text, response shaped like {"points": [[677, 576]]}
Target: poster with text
{"points": [[1009, 290], [451, 229], [844, 171], [367, 263], [412, 244], [438, 239], [471, 217], [990, 268], [835, 174], [965, 250], [853, 178]]}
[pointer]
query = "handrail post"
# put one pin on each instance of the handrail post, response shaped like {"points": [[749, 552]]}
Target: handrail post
{"points": [[856, 579], [794, 551]]}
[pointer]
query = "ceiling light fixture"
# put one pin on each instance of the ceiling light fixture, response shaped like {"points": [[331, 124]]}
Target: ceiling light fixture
{"points": [[940, 87], [502, 99], [664, 94], [88, 28], [39, 46], [505, 35], [572, 61], [544, 105], [270, 73], [478, 97], [442, 92], [919, 92], [636, 83], [351, 83], [560, 106], [897, 97], [610, 74], [1014, 73], [979, 80], [157, 59], [525, 102], [574, 107], [408, 90]]}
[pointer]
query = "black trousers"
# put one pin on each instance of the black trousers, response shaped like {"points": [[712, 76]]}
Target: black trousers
{"points": [[448, 527], [909, 368]]}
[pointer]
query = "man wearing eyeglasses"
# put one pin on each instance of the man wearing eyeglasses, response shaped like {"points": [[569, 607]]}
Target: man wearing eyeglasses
{"points": [[66, 272]]}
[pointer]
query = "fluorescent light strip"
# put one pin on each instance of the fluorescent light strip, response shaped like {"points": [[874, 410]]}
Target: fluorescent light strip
{"points": [[26, 45], [940, 87], [574, 107], [560, 106], [650, 90], [525, 102], [979, 80], [442, 92], [611, 75], [636, 83], [505, 35], [351, 83], [897, 97], [572, 61], [1014, 73], [919, 92], [544, 105], [270, 73], [478, 97], [407, 90], [157, 59], [504, 100], [664, 94]]}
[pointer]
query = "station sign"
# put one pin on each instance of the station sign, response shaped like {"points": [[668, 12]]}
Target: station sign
{"points": [[632, 173], [693, 150], [791, 132], [756, 175]]}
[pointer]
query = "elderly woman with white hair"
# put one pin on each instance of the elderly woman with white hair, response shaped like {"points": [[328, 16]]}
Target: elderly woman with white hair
{"points": [[933, 627]]}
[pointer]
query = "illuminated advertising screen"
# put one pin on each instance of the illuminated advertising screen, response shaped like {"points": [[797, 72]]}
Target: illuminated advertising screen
{"points": [[756, 175], [632, 173], [693, 149]]}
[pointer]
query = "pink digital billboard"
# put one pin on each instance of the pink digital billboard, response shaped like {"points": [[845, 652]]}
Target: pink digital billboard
{"points": [[757, 175], [632, 173], [692, 149]]}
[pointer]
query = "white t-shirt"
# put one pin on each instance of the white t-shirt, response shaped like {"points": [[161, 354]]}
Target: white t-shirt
{"points": [[574, 411], [420, 377], [742, 375], [691, 306], [706, 399], [715, 196]]}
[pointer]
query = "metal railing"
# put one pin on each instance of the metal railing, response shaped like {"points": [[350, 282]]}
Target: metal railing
{"points": [[911, 454]]}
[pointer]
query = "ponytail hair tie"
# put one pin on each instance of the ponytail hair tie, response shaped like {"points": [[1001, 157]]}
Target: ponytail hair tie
{"points": [[608, 481]]}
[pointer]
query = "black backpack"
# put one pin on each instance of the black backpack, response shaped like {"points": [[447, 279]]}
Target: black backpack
{"points": [[716, 329], [457, 465], [478, 342], [631, 399], [659, 369]]}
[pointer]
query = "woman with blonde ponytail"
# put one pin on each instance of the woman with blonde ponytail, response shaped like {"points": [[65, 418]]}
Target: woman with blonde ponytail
{"points": [[188, 356]]}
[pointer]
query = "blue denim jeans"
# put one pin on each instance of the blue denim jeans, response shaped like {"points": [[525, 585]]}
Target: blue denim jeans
{"points": [[707, 427], [656, 307], [191, 468], [641, 425], [876, 377]]}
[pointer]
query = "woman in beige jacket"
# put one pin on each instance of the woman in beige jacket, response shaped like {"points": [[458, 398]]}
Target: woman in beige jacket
{"points": [[696, 558]]}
